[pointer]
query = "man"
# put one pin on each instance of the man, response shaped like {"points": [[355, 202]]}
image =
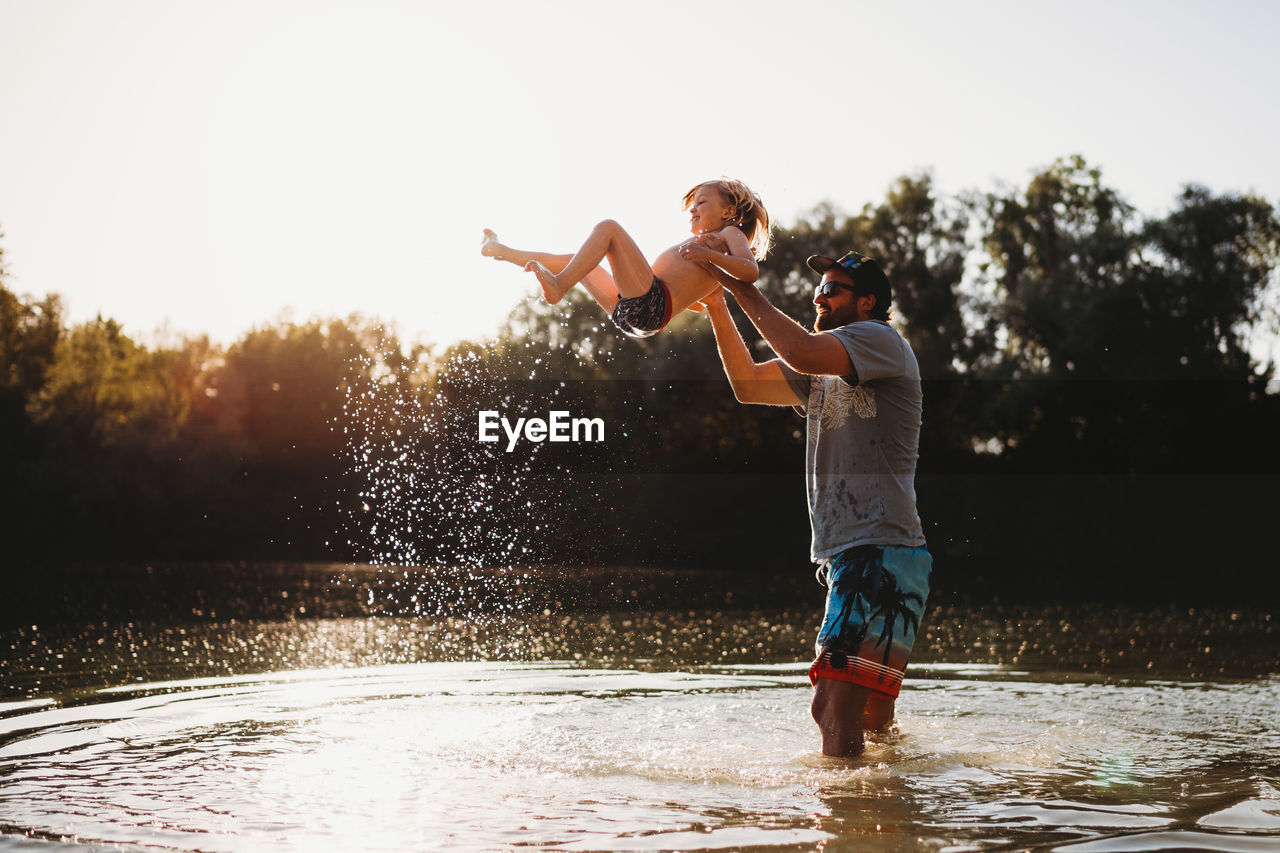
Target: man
{"points": [[857, 382]]}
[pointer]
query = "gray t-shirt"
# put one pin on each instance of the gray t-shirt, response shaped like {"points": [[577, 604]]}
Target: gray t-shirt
{"points": [[863, 443]]}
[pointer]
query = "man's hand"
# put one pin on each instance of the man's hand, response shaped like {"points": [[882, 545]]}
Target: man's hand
{"points": [[714, 242], [691, 251], [714, 300], [705, 248]]}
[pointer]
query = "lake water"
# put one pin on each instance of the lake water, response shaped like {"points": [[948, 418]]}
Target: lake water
{"points": [[345, 708]]}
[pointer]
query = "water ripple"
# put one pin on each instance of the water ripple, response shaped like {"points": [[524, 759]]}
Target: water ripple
{"points": [[482, 756]]}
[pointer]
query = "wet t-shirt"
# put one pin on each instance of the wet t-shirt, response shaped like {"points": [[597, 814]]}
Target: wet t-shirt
{"points": [[863, 442]]}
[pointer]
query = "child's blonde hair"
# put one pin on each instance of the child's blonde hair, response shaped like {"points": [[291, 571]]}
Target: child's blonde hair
{"points": [[748, 212]]}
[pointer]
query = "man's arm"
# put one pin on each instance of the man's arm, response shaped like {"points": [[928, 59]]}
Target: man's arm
{"points": [[751, 382], [812, 353]]}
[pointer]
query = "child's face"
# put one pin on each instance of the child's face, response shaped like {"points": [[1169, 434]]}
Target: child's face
{"points": [[709, 210]]}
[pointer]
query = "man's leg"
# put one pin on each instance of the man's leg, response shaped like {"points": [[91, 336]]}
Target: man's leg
{"points": [[843, 711], [862, 584], [878, 715]]}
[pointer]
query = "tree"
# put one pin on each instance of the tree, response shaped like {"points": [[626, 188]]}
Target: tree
{"points": [[1057, 251], [280, 388], [1205, 275], [108, 416], [1092, 298], [279, 396], [29, 334], [103, 390]]}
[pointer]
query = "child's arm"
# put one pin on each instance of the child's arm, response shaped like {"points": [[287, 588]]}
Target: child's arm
{"points": [[727, 249]]}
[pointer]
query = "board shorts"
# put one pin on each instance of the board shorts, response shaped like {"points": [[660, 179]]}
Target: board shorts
{"points": [[875, 598], [642, 316]]}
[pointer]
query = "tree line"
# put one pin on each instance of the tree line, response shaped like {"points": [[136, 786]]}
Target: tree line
{"points": [[1095, 412]]}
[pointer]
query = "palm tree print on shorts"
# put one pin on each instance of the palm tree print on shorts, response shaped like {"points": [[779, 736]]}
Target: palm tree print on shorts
{"points": [[875, 617]]}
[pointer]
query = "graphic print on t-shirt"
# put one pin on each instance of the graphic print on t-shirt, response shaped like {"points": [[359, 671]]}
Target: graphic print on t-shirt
{"points": [[837, 401]]}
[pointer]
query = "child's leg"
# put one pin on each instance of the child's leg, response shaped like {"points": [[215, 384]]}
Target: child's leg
{"points": [[598, 282], [491, 247], [631, 272]]}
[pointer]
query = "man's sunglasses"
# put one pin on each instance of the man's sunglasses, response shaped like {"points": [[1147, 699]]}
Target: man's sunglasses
{"points": [[828, 288]]}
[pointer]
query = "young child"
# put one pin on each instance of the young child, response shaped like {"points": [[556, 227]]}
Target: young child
{"points": [[641, 298]]}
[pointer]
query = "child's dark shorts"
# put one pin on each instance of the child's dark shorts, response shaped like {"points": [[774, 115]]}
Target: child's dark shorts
{"points": [[875, 598], [642, 316]]}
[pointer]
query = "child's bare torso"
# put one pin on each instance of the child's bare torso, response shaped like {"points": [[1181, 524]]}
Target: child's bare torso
{"points": [[686, 281]]}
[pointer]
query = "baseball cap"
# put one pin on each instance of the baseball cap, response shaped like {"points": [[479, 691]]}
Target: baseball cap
{"points": [[865, 272]]}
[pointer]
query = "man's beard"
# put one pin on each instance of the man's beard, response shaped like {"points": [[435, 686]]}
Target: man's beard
{"points": [[830, 320]]}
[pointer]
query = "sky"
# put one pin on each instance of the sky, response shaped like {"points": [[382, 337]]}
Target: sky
{"points": [[210, 167]]}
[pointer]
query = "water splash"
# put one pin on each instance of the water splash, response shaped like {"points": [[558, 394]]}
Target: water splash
{"points": [[450, 518]]}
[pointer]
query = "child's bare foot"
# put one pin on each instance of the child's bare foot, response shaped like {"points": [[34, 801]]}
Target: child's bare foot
{"points": [[490, 247], [552, 291]]}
